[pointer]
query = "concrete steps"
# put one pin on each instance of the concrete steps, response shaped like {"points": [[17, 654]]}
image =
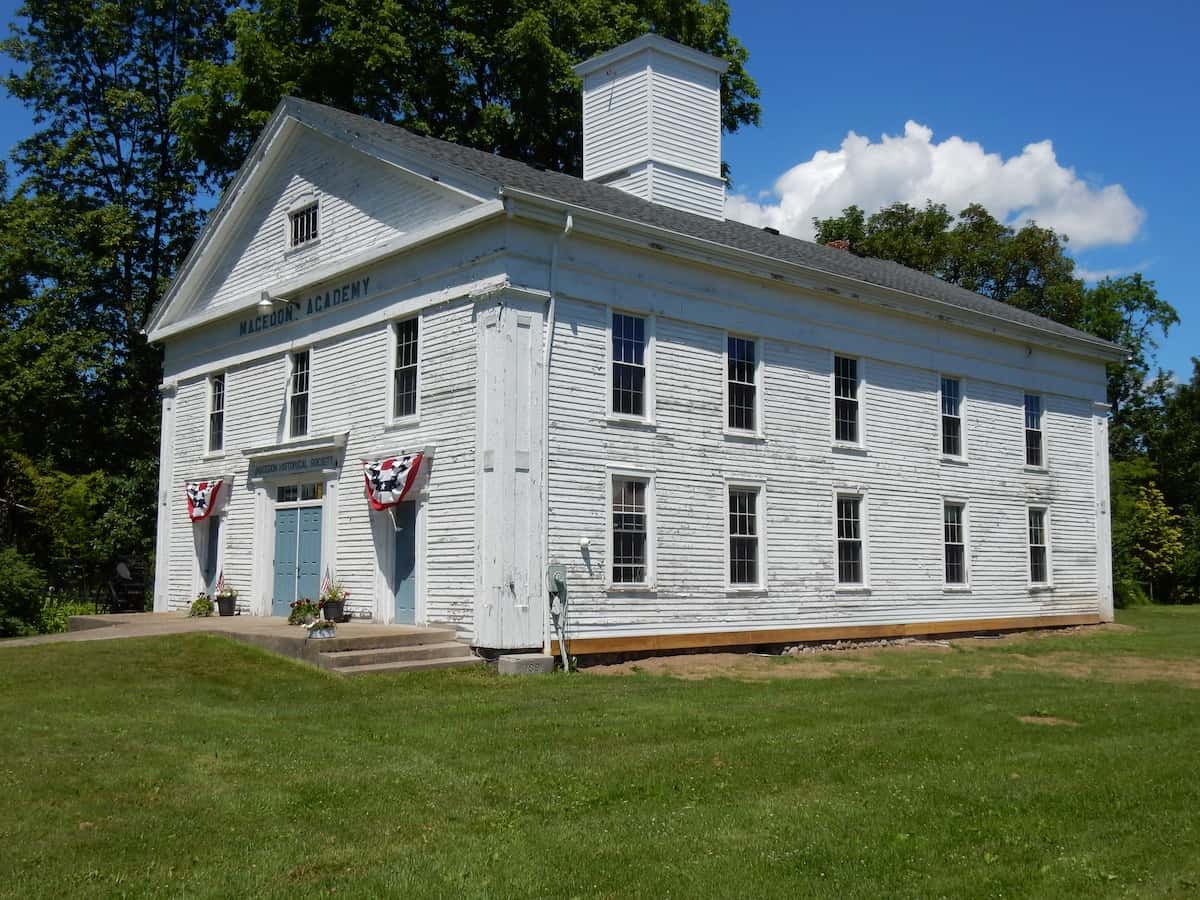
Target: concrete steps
{"points": [[433, 649]]}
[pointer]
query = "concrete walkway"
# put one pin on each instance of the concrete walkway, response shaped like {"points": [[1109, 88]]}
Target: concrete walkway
{"points": [[131, 625]]}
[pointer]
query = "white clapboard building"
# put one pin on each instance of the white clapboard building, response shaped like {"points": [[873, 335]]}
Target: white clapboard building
{"points": [[727, 436]]}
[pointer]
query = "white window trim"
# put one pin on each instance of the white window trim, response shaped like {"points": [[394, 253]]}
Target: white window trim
{"points": [[963, 587], [208, 411], [651, 345], [759, 430], [290, 368], [308, 198], [1048, 584], [759, 487], [1045, 466], [859, 491], [963, 456], [393, 343], [860, 445], [650, 585]]}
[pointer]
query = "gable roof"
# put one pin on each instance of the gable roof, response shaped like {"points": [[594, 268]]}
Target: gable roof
{"points": [[601, 198]]}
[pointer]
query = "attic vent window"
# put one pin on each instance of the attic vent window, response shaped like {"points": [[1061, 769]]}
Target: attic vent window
{"points": [[304, 224]]}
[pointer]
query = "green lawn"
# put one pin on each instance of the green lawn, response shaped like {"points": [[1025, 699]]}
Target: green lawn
{"points": [[194, 766]]}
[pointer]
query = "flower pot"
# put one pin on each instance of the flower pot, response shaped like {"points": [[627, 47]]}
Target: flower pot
{"points": [[227, 606], [319, 634], [334, 610]]}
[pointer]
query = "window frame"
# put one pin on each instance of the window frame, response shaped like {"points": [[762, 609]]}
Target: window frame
{"points": [[289, 393], [308, 200], [210, 385], [860, 398], [961, 456], [759, 429], [391, 420], [648, 364], [649, 584], [758, 488], [1044, 464], [1048, 584], [963, 586], [859, 492]]}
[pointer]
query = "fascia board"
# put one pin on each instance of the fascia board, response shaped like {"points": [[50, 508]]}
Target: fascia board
{"points": [[844, 287], [402, 244]]}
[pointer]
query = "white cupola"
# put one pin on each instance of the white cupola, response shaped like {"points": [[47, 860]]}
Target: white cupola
{"points": [[652, 123]]}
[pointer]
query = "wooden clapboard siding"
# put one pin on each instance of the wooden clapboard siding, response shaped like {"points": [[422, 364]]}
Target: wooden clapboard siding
{"points": [[363, 202], [900, 471], [713, 639]]}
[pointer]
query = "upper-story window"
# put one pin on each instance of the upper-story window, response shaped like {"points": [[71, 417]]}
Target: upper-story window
{"points": [[216, 413], [298, 390], [742, 391], [846, 408], [302, 224], [404, 373], [952, 424], [629, 365], [1035, 454]]}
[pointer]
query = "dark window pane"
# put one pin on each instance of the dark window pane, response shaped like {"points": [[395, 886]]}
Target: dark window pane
{"points": [[629, 531], [742, 384], [1037, 565], [956, 570], [951, 436], [404, 376], [743, 540], [629, 384], [846, 420], [849, 548], [304, 225], [629, 365], [741, 406], [845, 404]]}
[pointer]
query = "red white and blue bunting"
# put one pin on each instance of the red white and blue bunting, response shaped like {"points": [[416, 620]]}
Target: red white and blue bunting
{"points": [[389, 480], [201, 498]]}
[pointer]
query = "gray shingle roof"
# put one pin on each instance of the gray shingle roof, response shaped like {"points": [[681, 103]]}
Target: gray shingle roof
{"points": [[602, 198]]}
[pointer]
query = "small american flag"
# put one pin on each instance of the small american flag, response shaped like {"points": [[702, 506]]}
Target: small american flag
{"points": [[326, 584], [221, 583]]}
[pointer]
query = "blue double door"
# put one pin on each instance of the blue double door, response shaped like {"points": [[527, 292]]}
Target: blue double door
{"points": [[297, 556]]}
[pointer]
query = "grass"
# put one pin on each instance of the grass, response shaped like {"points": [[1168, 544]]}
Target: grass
{"points": [[181, 766]]}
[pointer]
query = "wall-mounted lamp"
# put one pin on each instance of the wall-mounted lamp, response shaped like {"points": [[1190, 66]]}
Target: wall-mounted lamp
{"points": [[266, 301]]}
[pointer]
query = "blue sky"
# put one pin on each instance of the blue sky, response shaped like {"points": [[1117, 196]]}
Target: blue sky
{"points": [[1107, 94]]}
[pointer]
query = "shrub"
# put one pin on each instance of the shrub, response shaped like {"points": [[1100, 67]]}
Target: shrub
{"points": [[22, 587], [55, 614], [202, 606]]}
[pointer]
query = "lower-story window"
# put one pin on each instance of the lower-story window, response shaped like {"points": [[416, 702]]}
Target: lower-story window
{"points": [[1039, 562], [630, 530], [955, 537], [745, 534], [849, 539]]}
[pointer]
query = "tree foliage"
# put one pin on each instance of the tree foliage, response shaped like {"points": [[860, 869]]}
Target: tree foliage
{"points": [[492, 76]]}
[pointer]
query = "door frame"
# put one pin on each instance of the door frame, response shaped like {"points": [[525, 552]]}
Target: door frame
{"points": [[265, 507], [384, 529]]}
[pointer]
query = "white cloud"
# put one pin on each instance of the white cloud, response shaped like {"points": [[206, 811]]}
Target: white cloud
{"points": [[913, 168], [1094, 275]]}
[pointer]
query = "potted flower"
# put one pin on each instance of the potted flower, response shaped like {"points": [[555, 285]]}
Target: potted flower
{"points": [[226, 597], [333, 601], [202, 606], [321, 629], [303, 611]]}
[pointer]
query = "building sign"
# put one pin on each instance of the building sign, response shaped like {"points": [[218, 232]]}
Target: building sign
{"points": [[306, 306], [294, 465]]}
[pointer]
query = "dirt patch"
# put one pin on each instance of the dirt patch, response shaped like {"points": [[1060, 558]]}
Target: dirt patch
{"points": [[1047, 720], [740, 666], [1113, 668], [1024, 637]]}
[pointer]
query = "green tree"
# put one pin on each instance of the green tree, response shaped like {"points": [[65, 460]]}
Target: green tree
{"points": [[492, 76]]}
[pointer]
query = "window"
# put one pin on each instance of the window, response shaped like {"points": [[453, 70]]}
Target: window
{"points": [[216, 413], [955, 537], [298, 395], [743, 536], [628, 365], [743, 384], [303, 222], [1039, 568], [300, 493], [845, 400], [849, 539], [1034, 455], [630, 530], [952, 431], [212, 550], [404, 374]]}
